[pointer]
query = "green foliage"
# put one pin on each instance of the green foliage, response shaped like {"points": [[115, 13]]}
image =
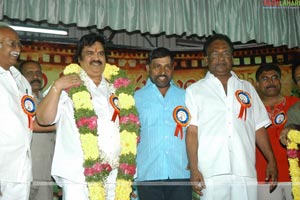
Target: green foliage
{"points": [[90, 162], [86, 130], [79, 88], [124, 112], [130, 127], [80, 113], [121, 175], [127, 90], [128, 158], [97, 177]]}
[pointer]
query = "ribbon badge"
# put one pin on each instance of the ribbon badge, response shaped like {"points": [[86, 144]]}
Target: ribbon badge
{"points": [[114, 101], [29, 108], [244, 99], [182, 118], [279, 119]]}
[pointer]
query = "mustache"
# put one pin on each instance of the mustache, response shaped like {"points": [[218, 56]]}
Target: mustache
{"points": [[271, 86], [99, 62], [164, 76], [221, 64], [36, 81]]}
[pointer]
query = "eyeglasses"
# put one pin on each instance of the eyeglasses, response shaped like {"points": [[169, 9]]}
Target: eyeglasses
{"points": [[12, 44], [272, 78], [216, 55]]}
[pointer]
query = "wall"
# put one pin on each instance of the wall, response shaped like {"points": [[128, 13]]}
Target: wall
{"points": [[189, 65]]}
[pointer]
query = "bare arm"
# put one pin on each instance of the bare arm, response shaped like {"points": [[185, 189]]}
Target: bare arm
{"points": [[47, 109], [42, 129], [263, 143], [192, 151]]}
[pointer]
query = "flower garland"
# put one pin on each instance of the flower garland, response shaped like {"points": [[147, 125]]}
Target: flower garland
{"points": [[96, 168], [293, 152]]}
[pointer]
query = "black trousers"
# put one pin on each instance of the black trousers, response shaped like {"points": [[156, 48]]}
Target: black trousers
{"points": [[169, 189]]}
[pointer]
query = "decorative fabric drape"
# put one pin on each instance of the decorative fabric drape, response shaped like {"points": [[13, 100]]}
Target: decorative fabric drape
{"points": [[242, 20]]}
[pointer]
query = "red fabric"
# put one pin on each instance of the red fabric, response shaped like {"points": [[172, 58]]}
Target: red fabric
{"points": [[278, 149]]}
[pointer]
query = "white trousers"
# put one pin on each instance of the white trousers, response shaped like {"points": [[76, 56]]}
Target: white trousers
{"points": [[14, 191], [17, 190], [78, 191], [230, 187], [283, 191]]}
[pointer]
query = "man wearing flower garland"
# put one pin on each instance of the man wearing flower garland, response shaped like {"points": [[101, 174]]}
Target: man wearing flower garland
{"points": [[292, 129], [293, 120], [161, 156], [269, 86], [17, 109], [93, 140], [227, 119]]}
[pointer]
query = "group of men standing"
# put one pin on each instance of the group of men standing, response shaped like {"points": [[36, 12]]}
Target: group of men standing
{"points": [[203, 138]]}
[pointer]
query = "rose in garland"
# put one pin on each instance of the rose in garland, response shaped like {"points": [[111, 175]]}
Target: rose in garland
{"points": [[86, 121], [129, 129], [96, 169]]}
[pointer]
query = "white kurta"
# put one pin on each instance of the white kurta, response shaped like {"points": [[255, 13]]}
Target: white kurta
{"points": [[15, 135], [68, 155]]}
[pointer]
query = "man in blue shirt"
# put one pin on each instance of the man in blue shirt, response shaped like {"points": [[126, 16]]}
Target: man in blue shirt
{"points": [[161, 156]]}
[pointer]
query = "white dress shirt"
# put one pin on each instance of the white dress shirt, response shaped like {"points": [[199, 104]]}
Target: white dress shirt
{"points": [[68, 156], [226, 143], [15, 135]]}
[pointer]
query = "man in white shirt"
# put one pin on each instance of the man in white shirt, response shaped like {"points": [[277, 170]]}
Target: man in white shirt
{"points": [[17, 110], [57, 107], [227, 120]]}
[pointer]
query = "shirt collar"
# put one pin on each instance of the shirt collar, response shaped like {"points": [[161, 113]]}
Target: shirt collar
{"points": [[210, 75], [150, 83], [12, 70]]}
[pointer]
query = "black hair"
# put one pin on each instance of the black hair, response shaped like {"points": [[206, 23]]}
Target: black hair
{"points": [[217, 37], [21, 65], [267, 67], [88, 40], [295, 65], [160, 52]]}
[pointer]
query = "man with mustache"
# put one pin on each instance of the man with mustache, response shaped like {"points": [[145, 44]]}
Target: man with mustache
{"points": [[57, 107], [161, 154], [16, 115], [268, 85], [43, 139], [32, 71], [227, 120]]}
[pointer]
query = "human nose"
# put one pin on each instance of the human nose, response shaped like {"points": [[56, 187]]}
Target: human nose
{"points": [[35, 75], [162, 70], [221, 56]]}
